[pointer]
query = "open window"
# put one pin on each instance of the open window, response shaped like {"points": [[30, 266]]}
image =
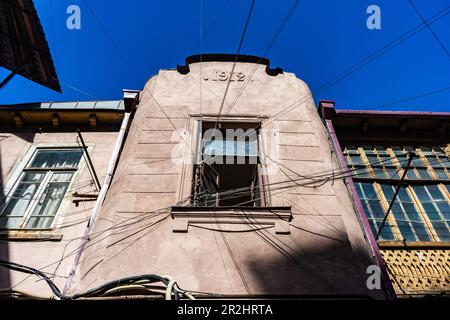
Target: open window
{"points": [[228, 172]]}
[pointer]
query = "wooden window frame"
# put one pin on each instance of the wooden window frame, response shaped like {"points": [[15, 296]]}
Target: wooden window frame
{"points": [[408, 182], [51, 233]]}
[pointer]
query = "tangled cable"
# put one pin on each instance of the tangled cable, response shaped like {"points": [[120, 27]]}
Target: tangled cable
{"points": [[140, 282]]}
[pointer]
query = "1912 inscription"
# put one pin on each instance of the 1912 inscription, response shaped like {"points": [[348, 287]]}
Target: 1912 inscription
{"points": [[226, 76]]}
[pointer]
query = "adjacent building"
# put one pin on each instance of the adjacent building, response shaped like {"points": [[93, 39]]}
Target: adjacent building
{"points": [[374, 148], [48, 187]]}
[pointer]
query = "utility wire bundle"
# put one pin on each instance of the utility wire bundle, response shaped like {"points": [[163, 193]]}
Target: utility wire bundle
{"points": [[144, 284]]}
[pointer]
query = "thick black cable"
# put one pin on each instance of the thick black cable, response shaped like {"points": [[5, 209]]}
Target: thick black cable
{"points": [[92, 292]]}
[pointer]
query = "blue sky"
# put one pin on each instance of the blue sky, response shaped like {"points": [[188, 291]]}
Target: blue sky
{"points": [[321, 40]]}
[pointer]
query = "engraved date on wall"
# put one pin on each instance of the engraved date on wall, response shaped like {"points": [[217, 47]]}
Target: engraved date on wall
{"points": [[225, 76]]}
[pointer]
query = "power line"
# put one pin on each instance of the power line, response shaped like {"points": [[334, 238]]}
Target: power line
{"points": [[363, 62], [241, 42], [408, 99], [124, 58], [266, 51], [429, 28], [211, 26]]}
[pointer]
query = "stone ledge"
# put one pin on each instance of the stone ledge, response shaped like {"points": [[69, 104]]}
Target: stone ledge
{"points": [[279, 217]]}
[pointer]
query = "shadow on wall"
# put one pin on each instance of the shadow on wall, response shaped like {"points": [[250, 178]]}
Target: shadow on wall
{"points": [[310, 261], [321, 271], [5, 277]]}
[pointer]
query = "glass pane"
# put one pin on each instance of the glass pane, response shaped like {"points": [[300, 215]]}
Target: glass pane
{"points": [[397, 210], [359, 186], [393, 173], [444, 207], [19, 201], [9, 222], [359, 172], [53, 158], [434, 161], [61, 177], [435, 193], [421, 232], [410, 174], [356, 159], [46, 208], [442, 230], [431, 211], [379, 173], [373, 159], [421, 193], [424, 173], [445, 162], [417, 162], [403, 195], [386, 232], [387, 161], [388, 191], [376, 209], [230, 148], [406, 231], [347, 159], [441, 174], [411, 212], [369, 190], [33, 176]]}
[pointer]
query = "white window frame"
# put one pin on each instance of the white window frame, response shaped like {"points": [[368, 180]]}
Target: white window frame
{"points": [[18, 172]]}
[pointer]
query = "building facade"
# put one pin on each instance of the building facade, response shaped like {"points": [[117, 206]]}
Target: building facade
{"points": [[375, 147], [255, 228], [229, 183]]}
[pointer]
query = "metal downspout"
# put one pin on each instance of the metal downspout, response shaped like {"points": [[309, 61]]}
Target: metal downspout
{"points": [[100, 199]]}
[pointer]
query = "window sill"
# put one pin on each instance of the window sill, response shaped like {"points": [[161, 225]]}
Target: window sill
{"points": [[413, 245], [25, 235], [237, 218]]}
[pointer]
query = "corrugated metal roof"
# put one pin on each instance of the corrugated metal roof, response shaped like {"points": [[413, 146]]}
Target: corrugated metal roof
{"points": [[71, 105]]}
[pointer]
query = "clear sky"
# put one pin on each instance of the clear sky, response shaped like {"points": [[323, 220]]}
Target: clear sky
{"points": [[321, 40]]}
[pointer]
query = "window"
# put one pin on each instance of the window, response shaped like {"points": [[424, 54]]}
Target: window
{"points": [[374, 210], [34, 200], [409, 222], [227, 172], [421, 211], [436, 207]]}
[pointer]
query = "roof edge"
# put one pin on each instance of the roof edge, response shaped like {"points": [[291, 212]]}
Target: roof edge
{"points": [[228, 57]]}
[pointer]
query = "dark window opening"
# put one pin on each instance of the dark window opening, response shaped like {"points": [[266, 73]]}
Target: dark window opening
{"points": [[228, 172]]}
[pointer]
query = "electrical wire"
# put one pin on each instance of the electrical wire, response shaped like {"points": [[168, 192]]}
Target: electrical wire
{"points": [[266, 51], [203, 36], [171, 289], [241, 42], [429, 27], [363, 62]]}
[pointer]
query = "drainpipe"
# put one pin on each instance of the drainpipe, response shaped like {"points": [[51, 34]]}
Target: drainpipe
{"points": [[327, 111], [130, 99]]}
